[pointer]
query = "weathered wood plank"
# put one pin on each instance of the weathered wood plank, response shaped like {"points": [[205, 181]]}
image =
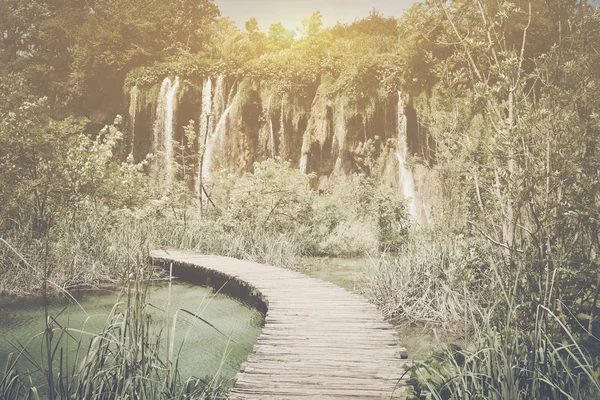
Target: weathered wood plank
{"points": [[319, 341]]}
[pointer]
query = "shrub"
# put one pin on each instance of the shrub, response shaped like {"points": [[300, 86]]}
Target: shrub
{"points": [[275, 197], [358, 217]]}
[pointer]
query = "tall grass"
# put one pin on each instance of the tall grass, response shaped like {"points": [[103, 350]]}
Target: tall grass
{"points": [[128, 359], [514, 355], [96, 249], [436, 279], [509, 364], [209, 237], [91, 250], [520, 345]]}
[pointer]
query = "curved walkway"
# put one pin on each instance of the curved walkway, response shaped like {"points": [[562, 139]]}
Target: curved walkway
{"points": [[319, 341]]}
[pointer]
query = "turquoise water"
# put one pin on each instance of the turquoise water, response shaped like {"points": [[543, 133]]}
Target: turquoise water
{"points": [[207, 351]]}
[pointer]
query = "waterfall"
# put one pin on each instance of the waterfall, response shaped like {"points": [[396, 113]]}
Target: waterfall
{"points": [[171, 104], [271, 133], [212, 136], [164, 124], [220, 131], [282, 127], [205, 127], [340, 132], [212, 142], [303, 162], [159, 123], [406, 177], [161, 105], [206, 109], [219, 101], [133, 107], [304, 151]]}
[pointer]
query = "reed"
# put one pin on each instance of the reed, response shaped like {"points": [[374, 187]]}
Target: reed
{"points": [[514, 355], [436, 279], [96, 249], [130, 358]]}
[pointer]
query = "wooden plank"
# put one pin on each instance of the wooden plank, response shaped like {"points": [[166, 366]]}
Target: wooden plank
{"points": [[319, 341]]}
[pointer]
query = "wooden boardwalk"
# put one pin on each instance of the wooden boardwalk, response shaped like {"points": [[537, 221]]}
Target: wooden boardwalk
{"points": [[319, 341]]}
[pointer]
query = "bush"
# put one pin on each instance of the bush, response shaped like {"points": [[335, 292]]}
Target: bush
{"points": [[358, 217], [275, 197]]}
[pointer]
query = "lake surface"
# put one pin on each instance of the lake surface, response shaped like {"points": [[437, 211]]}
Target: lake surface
{"points": [[206, 352]]}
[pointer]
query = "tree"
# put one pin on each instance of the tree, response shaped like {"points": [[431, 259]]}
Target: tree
{"points": [[19, 21], [73, 50], [275, 197], [257, 39], [190, 21], [279, 37], [251, 26], [228, 43], [312, 26], [514, 115], [51, 168]]}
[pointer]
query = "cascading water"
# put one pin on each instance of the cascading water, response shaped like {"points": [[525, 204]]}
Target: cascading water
{"points": [[230, 139], [220, 131], [204, 128], [169, 125], [340, 133], [164, 124], [406, 177], [219, 101], [282, 128], [218, 135], [161, 106], [159, 122], [303, 162], [304, 154], [271, 133], [133, 108]]}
